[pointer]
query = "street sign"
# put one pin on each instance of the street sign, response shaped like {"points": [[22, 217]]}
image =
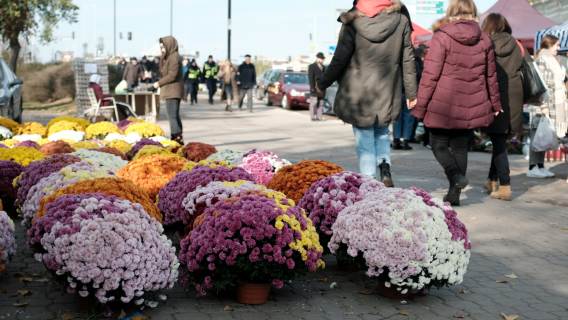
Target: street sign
{"points": [[331, 49], [429, 7]]}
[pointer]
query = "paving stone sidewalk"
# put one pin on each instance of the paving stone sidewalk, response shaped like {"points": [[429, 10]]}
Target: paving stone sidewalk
{"points": [[519, 261]]}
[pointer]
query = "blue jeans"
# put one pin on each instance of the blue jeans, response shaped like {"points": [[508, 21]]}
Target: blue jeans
{"points": [[373, 146], [404, 126]]}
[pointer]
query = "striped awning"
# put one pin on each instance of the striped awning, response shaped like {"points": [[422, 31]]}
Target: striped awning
{"points": [[560, 31]]}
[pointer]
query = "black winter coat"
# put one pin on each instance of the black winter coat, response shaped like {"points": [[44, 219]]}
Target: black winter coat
{"points": [[373, 60], [315, 74], [509, 60], [247, 76]]}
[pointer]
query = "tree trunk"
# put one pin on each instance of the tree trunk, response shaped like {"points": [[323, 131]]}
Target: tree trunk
{"points": [[14, 53]]}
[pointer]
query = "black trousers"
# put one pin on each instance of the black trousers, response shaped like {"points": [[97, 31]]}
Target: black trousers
{"points": [[499, 161], [193, 90], [211, 88], [450, 148], [172, 107]]}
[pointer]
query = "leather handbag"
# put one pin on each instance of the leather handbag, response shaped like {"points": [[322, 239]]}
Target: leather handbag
{"points": [[533, 86]]}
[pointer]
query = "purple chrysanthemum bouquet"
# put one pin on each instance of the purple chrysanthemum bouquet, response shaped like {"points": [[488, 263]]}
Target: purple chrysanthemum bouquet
{"points": [[38, 170], [109, 248], [250, 238], [171, 196], [139, 145], [327, 197], [197, 201], [9, 170], [404, 242], [262, 165], [7, 240], [28, 143], [206, 196], [64, 177]]}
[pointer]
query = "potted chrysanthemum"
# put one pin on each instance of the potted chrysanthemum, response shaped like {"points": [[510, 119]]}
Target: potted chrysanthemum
{"points": [[407, 240], [249, 243]]}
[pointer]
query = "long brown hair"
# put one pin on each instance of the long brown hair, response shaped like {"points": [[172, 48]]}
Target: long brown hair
{"points": [[548, 41], [496, 23]]}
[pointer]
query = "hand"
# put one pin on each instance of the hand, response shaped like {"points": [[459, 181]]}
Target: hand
{"points": [[319, 93], [411, 103], [156, 85]]}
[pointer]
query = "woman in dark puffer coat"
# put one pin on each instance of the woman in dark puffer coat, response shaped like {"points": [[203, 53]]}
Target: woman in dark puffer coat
{"points": [[458, 91], [509, 62]]}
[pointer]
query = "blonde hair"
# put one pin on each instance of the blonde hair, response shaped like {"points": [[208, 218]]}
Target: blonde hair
{"points": [[462, 9]]}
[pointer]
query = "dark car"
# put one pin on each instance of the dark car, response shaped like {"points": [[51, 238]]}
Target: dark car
{"points": [[262, 84], [329, 100], [288, 89], [10, 93]]}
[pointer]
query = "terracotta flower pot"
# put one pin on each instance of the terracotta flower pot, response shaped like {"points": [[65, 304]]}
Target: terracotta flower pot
{"points": [[253, 293]]}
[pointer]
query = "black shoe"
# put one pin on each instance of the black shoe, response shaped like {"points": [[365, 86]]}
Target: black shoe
{"points": [[178, 138], [460, 181], [385, 172], [228, 108], [405, 146], [453, 196], [396, 145]]}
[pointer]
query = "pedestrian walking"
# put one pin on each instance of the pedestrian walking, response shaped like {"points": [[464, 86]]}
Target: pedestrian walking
{"points": [[554, 106], [185, 74], [509, 62], [194, 76], [132, 73], [228, 77], [247, 82], [458, 91], [372, 62], [210, 71], [315, 73], [171, 84]]}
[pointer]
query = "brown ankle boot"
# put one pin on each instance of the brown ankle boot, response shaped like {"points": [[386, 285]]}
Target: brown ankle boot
{"points": [[490, 186], [503, 193]]}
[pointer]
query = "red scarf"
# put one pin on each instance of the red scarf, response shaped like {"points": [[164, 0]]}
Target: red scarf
{"points": [[371, 8]]}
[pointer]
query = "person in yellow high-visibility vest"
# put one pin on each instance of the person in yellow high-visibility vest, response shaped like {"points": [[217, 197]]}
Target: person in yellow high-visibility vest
{"points": [[193, 76], [210, 71]]}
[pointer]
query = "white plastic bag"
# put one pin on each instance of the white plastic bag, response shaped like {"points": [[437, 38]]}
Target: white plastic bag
{"points": [[121, 87], [545, 137]]}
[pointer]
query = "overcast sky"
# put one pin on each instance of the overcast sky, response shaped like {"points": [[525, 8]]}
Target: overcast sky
{"points": [[275, 29]]}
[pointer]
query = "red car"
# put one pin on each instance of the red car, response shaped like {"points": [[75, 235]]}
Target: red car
{"points": [[288, 89]]}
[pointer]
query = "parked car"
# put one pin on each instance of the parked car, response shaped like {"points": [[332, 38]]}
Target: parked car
{"points": [[10, 93], [329, 100], [288, 89], [262, 84]]}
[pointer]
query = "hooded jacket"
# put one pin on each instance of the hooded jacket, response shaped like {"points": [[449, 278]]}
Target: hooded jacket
{"points": [[459, 88], [509, 62], [373, 60], [171, 77]]}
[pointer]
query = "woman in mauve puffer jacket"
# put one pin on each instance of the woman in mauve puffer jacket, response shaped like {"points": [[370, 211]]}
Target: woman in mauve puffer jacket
{"points": [[458, 91]]}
